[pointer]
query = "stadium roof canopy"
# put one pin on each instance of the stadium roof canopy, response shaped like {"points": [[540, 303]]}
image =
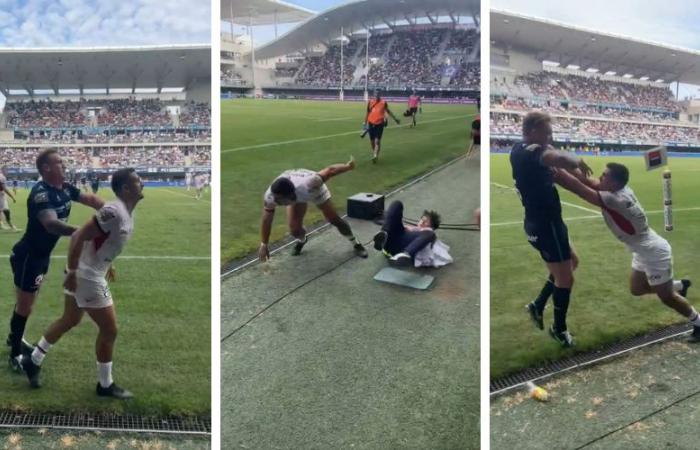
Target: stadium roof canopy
{"points": [[107, 68], [262, 12], [362, 15], [567, 45]]}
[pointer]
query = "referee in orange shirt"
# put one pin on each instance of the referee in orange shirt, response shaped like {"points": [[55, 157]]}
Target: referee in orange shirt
{"points": [[375, 121]]}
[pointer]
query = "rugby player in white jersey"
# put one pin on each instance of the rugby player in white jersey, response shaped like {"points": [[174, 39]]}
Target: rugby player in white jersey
{"points": [[652, 262], [295, 189], [92, 250], [4, 206]]}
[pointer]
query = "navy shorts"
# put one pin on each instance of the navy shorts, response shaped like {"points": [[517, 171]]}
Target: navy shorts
{"points": [[550, 238], [28, 270], [376, 131]]}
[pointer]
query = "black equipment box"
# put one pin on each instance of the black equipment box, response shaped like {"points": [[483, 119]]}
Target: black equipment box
{"points": [[366, 206]]}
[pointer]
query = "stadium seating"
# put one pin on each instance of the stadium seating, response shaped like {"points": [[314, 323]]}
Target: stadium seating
{"points": [[416, 58]]}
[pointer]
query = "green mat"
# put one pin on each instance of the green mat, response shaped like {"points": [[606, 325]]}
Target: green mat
{"points": [[404, 278]]}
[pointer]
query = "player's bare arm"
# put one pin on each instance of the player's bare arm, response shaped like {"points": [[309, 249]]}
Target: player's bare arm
{"points": [[265, 229], [573, 184], [552, 157], [336, 169], [588, 181], [91, 200], [87, 232], [50, 221], [392, 115]]}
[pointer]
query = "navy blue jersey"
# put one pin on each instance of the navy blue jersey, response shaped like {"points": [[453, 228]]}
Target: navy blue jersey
{"points": [[36, 240], [535, 183]]}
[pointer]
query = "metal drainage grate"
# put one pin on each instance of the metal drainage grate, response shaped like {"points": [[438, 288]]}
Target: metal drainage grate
{"points": [[509, 382], [107, 422]]}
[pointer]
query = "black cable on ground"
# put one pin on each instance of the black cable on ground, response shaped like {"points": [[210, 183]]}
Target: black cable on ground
{"points": [[653, 413], [282, 297]]}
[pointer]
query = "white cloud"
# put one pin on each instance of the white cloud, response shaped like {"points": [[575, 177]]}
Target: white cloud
{"points": [[41, 23]]}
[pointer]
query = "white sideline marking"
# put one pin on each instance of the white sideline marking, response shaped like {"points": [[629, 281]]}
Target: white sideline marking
{"points": [[334, 119], [156, 257], [597, 216], [328, 136], [187, 195], [573, 205]]}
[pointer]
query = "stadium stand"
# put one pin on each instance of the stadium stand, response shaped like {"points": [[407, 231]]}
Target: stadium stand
{"points": [[437, 49], [593, 109], [105, 126]]}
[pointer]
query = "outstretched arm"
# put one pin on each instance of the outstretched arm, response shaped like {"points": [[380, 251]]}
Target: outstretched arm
{"points": [[91, 200], [573, 184], [336, 169], [564, 160]]}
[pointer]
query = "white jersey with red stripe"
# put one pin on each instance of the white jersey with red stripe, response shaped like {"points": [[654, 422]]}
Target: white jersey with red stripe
{"points": [[627, 220], [308, 187], [117, 225]]}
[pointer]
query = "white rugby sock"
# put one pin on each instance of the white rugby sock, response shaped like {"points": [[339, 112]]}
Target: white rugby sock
{"points": [[677, 285], [40, 351], [104, 374], [694, 317]]}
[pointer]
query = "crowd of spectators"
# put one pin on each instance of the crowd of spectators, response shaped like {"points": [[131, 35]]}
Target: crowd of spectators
{"points": [[325, 70], [583, 130], [404, 57], [113, 157], [554, 85], [194, 113], [117, 113]]}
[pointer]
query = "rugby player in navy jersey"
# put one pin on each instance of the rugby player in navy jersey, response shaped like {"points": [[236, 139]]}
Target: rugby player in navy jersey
{"points": [[534, 162], [49, 206]]}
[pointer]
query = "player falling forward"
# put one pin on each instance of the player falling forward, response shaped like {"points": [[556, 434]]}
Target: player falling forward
{"points": [[375, 121], [652, 261], [92, 250], [534, 161], [49, 206], [294, 189], [4, 206], [414, 104]]}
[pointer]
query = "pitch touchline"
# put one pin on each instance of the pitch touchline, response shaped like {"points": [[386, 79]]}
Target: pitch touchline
{"points": [[573, 205], [185, 195], [328, 136]]}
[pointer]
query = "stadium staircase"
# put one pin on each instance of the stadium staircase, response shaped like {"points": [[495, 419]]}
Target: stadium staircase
{"points": [[300, 70], [389, 44], [474, 54], [360, 71], [437, 59]]}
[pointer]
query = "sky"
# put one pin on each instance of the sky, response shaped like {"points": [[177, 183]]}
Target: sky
{"points": [[671, 22], [87, 23]]}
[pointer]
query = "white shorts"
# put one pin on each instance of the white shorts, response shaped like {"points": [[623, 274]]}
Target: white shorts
{"points": [[324, 194], [3, 204], [91, 294], [658, 267]]}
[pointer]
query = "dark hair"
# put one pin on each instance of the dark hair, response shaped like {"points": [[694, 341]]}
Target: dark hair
{"points": [[618, 173], [282, 186], [534, 119], [43, 158], [120, 178], [434, 218]]}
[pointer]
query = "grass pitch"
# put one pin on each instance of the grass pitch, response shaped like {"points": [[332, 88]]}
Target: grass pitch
{"points": [[601, 310], [262, 138], [162, 300]]}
